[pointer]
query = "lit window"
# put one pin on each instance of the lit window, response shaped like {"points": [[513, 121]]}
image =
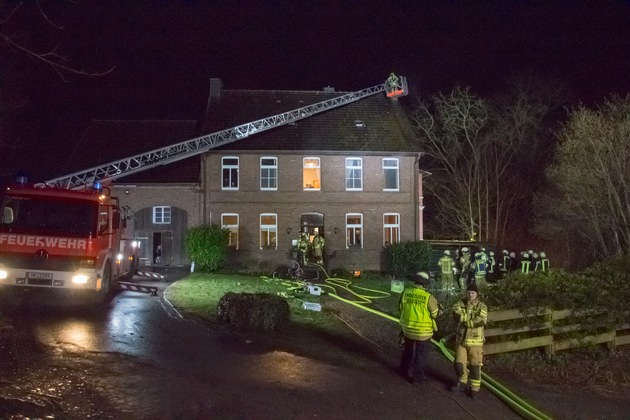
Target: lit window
{"points": [[161, 215], [312, 179], [354, 174], [229, 221], [268, 173], [390, 171], [229, 173], [391, 228], [354, 231], [268, 230]]}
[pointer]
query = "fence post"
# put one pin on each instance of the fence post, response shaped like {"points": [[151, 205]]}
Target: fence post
{"points": [[549, 349]]}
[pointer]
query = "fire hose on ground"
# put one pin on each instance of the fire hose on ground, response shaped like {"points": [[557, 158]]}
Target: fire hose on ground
{"points": [[519, 405]]}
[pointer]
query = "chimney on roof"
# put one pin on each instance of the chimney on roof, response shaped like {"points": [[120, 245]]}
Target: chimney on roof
{"points": [[329, 89], [215, 87]]}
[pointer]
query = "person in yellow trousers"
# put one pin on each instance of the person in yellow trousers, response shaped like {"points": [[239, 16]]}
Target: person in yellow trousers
{"points": [[446, 264], [318, 247], [471, 315], [418, 310]]}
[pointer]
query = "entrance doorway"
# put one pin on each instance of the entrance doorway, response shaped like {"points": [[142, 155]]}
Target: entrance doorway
{"points": [[162, 247], [313, 225]]}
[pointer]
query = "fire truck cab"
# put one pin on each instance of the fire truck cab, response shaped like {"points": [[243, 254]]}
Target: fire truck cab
{"points": [[64, 239]]}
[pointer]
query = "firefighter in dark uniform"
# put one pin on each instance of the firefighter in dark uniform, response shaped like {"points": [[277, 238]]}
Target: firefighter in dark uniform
{"points": [[464, 263], [471, 316], [418, 310]]}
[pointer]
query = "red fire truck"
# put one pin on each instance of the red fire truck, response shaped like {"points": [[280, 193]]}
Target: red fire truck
{"points": [[64, 239]]}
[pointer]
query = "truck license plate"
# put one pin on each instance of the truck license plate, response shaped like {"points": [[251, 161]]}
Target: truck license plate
{"points": [[39, 276]]}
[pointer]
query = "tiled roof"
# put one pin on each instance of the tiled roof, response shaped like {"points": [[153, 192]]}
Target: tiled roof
{"points": [[376, 123], [108, 141]]}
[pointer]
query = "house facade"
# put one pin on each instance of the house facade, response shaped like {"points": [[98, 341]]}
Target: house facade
{"points": [[350, 173], [360, 202]]}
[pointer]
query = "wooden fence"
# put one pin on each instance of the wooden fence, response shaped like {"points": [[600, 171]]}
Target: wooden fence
{"points": [[553, 330]]}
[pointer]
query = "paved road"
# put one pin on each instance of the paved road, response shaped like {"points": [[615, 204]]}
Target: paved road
{"points": [[139, 360]]}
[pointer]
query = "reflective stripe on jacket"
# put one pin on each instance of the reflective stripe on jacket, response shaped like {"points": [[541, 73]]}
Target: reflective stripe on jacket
{"points": [[480, 264], [470, 331], [446, 264], [417, 312]]}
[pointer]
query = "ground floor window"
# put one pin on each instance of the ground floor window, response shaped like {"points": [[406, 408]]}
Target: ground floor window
{"points": [[391, 228], [229, 221], [268, 231], [354, 230]]}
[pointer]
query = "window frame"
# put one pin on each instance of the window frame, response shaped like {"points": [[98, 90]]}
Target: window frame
{"points": [[269, 229], [391, 226], [233, 228], [163, 215], [318, 169], [271, 168], [231, 168], [350, 170], [396, 169], [354, 227]]}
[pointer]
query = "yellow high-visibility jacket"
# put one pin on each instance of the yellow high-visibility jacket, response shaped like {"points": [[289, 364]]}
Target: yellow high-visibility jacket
{"points": [[471, 318], [418, 310], [446, 264]]}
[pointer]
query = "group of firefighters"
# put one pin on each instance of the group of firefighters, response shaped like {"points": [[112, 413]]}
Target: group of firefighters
{"points": [[314, 247], [419, 310], [483, 267]]}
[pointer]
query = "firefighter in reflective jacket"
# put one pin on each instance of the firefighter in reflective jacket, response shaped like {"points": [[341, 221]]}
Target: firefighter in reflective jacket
{"points": [[480, 268], [302, 246], [447, 265], [318, 248], [418, 310], [471, 316]]}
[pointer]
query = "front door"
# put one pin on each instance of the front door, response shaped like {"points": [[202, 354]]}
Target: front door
{"points": [[162, 247], [312, 224]]}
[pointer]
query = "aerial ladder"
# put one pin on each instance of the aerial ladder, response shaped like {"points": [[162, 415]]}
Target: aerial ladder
{"points": [[393, 87]]}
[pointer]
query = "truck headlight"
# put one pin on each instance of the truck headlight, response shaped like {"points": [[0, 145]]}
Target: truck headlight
{"points": [[80, 279], [3, 274]]}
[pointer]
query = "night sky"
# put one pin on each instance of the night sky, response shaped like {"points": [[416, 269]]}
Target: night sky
{"points": [[164, 52]]}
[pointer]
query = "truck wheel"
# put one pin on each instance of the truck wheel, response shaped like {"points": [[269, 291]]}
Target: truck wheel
{"points": [[101, 296]]}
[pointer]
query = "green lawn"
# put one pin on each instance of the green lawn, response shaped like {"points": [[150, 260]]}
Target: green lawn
{"points": [[197, 296]]}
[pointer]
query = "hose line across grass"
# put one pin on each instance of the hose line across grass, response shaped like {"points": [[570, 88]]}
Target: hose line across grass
{"points": [[519, 405]]}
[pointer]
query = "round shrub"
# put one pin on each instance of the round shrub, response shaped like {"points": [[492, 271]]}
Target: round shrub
{"points": [[254, 311]]}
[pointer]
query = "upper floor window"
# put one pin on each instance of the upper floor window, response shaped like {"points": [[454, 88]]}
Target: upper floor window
{"points": [[268, 230], [390, 171], [229, 173], [354, 174], [229, 221], [268, 173], [161, 215], [312, 175], [391, 228], [354, 230]]}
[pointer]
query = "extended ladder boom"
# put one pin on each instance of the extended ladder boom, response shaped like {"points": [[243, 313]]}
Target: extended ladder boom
{"points": [[186, 149]]}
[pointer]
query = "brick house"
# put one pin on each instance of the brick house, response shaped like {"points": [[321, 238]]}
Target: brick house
{"points": [[350, 173]]}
